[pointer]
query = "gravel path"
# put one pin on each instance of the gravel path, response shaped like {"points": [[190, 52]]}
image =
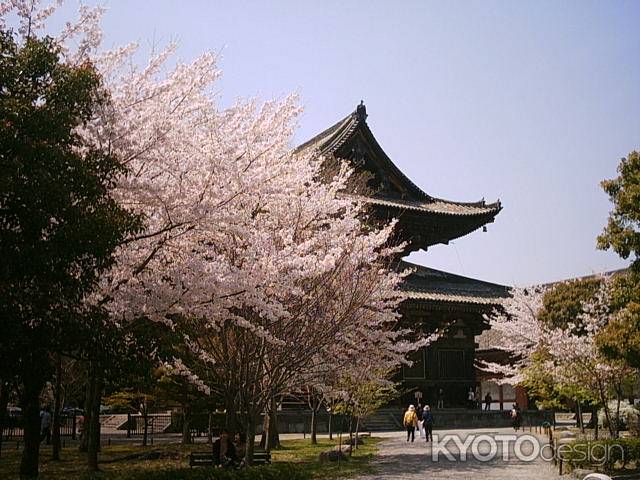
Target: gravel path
{"points": [[399, 460]]}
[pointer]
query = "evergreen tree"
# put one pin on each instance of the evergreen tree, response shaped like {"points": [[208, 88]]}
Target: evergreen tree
{"points": [[59, 225]]}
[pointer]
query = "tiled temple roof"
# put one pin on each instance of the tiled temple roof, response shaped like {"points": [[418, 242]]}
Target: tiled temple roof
{"points": [[437, 205], [418, 213], [330, 140], [490, 340], [435, 285]]}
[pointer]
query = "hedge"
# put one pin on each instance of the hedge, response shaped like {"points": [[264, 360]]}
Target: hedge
{"points": [[284, 471], [608, 455]]}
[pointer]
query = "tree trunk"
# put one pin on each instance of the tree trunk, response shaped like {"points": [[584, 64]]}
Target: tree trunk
{"points": [[4, 401], [145, 426], [186, 428], [57, 410], [579, 413], [265, 431], [230, 417], [355, 446], [605, 404], [265, 440], [270, 437], [617, 426], [84, 437], [340, 437], [33, 385], [314, 404], [351, 433], [594, 416], [273, 436], [314, 427], [251, 437], [93, 427]]}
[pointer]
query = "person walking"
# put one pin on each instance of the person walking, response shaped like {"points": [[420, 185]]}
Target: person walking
{"points": [[471, 399], [45, 425], [487, 401], [516, 416], [419, 416], [440, 398], [427, 422], [410, 422]]}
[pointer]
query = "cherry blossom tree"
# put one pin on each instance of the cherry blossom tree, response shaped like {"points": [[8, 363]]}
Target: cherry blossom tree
{"points": [[577, 359], [245, 241], [571, 352], [519, 332]]}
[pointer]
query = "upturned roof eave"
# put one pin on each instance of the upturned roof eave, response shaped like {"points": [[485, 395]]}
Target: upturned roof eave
{"points": [[331, 139]]}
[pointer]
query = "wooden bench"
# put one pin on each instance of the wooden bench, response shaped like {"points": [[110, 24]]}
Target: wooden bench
{"points": [[205, 459], [261, 457], [201, 459]]}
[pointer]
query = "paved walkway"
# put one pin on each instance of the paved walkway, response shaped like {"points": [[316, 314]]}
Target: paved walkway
{"points": [[399, 460]]}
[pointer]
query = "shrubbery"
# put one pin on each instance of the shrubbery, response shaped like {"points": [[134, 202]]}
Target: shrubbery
{"points": [[282, 471], [605, 455], [628, 419]]}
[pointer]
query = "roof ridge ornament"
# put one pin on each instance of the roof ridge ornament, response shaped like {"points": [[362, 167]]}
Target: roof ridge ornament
{"points": [[361, 111]]}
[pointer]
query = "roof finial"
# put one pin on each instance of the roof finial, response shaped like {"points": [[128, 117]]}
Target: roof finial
{"points": [[361, 111]]}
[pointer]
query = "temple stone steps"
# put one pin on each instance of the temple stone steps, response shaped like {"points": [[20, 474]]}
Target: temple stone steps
{"points": [[113, 422], [389, 419], [383, 421]]}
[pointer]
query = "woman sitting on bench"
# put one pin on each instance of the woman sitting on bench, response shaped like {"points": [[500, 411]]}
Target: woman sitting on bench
{"points": [[240, 444], [224, 451]]}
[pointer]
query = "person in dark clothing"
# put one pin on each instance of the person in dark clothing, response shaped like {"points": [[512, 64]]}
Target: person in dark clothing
{"points": [[440, 398], [471, 399], [45, 425], [427, 422], [516, 416], [487, 401], [224, 451], [240, 444]]}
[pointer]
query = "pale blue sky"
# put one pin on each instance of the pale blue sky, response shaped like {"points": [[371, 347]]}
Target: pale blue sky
{"points": [[530, 102]]}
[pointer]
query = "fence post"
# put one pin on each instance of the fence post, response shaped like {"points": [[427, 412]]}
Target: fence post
{"points": [[128, 425], [560, 466]]}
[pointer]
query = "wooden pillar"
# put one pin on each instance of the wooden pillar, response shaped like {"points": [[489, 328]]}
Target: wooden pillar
{"points": [[521, 397]]}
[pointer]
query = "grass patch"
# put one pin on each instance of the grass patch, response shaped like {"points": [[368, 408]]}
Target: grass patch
{"points": [[171, 461], [303, 453]]}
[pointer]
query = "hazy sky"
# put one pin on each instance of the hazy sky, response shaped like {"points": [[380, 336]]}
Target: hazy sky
{"points": [[530, 102]]}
